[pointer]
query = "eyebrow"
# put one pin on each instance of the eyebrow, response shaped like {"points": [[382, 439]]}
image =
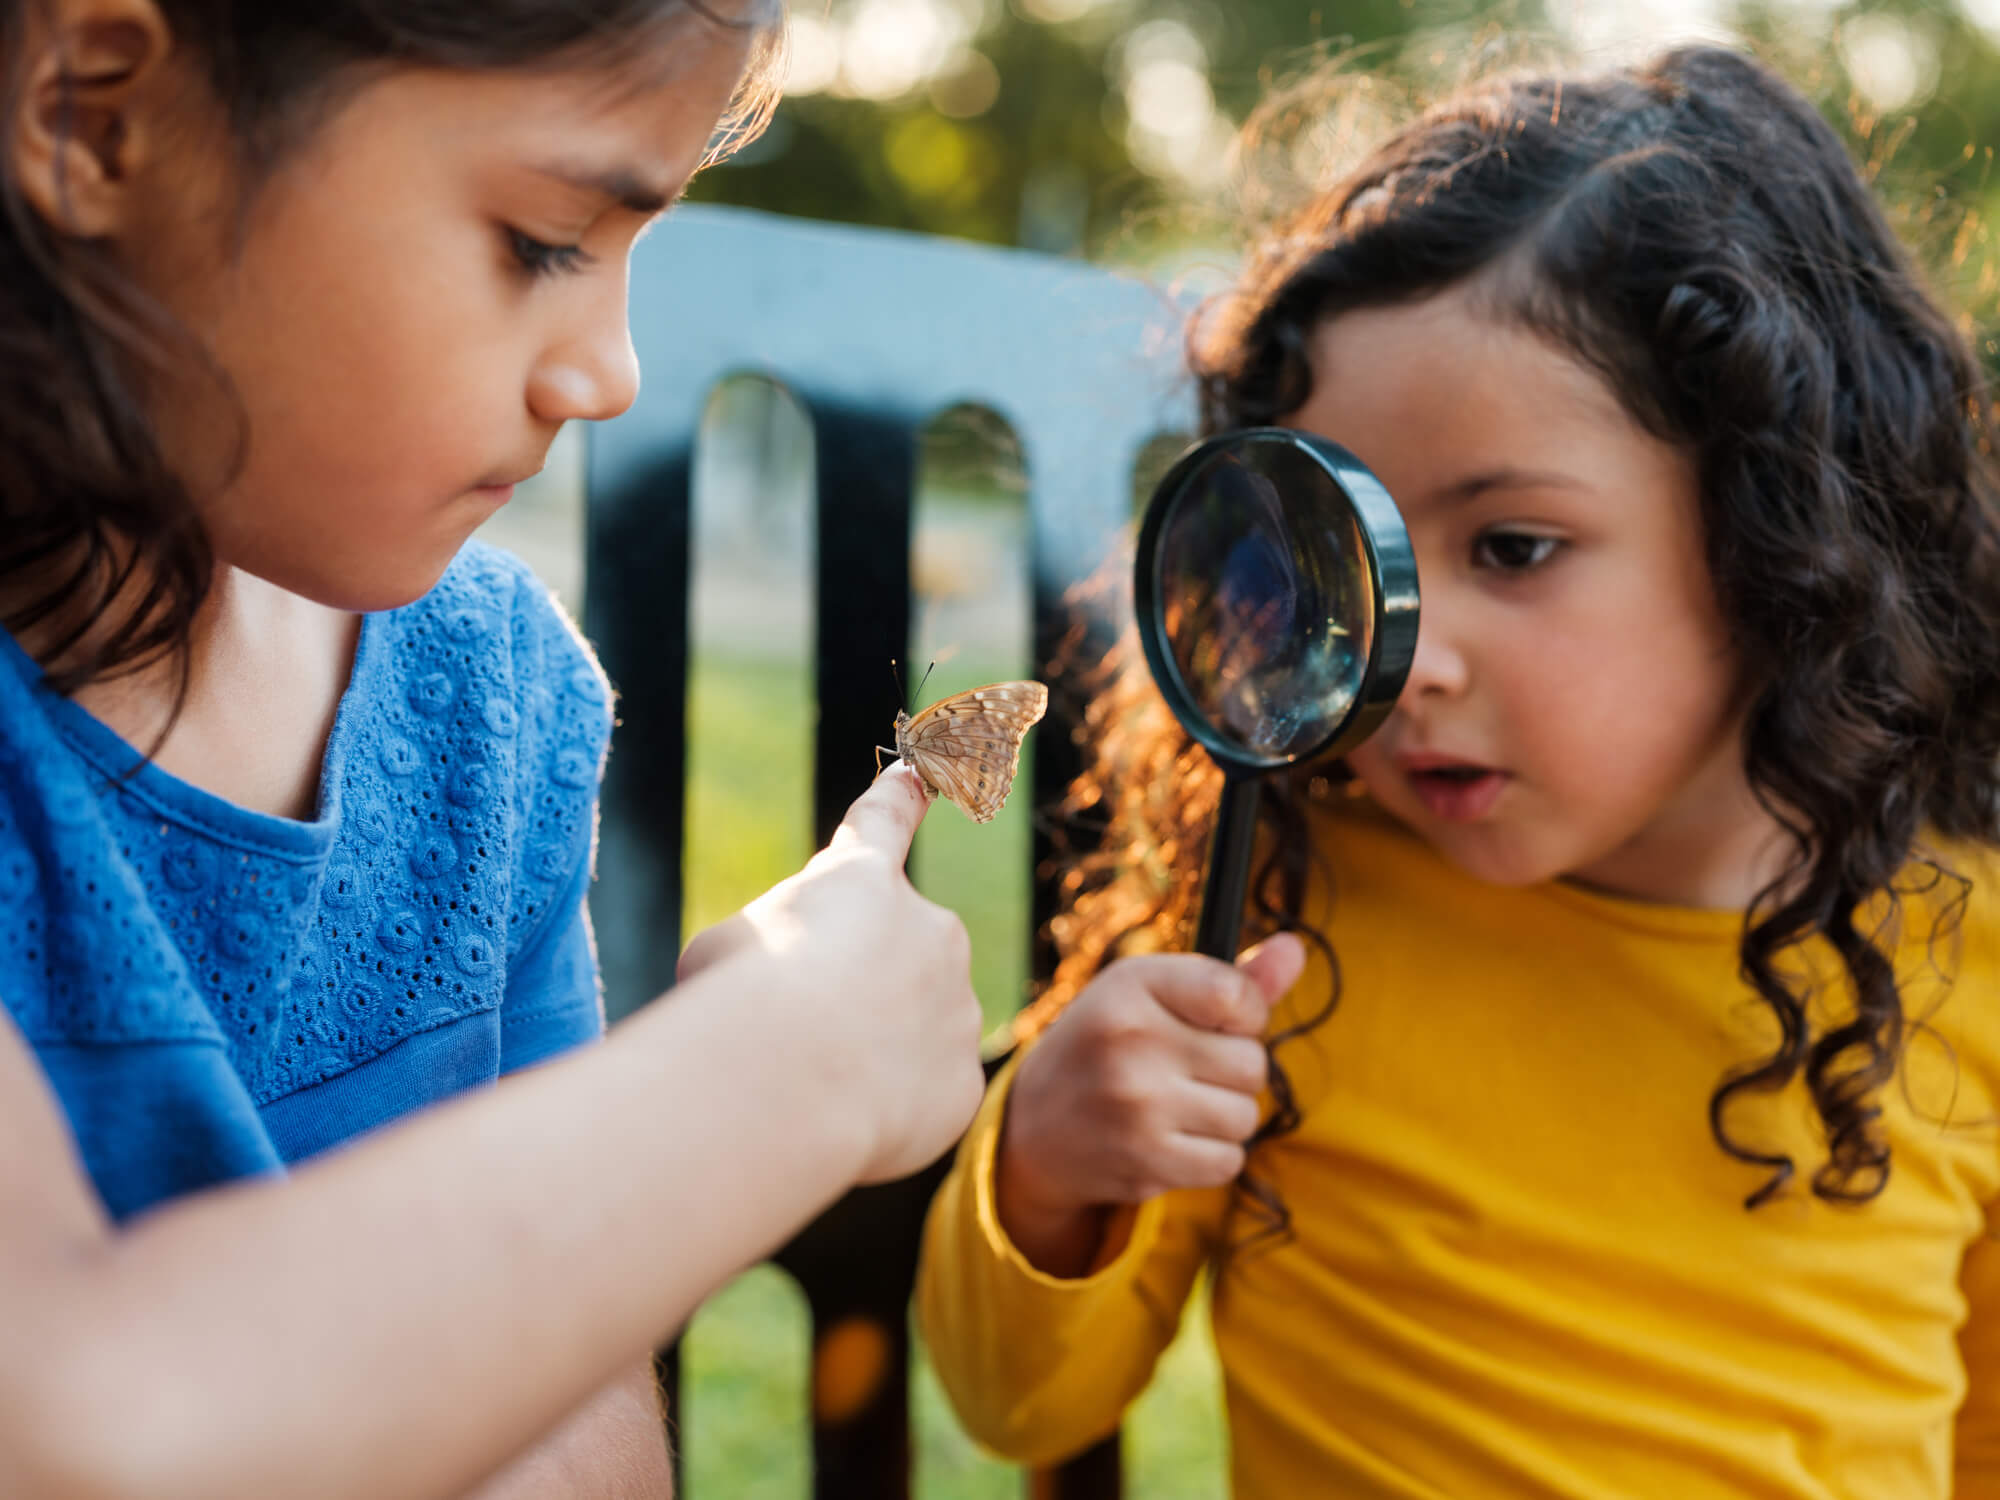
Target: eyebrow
{"points": [[1505, 477], [627, 188]]}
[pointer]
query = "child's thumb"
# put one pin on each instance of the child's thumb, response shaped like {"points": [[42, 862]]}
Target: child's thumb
{"points": [[1275, 964]]}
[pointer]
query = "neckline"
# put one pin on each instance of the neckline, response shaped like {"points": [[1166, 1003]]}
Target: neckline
{"points": [[1691, 923], [1702, 922], [118, 760]]}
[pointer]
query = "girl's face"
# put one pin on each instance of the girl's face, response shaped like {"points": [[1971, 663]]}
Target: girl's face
{"points": [[420, 296], [1573, 706]]}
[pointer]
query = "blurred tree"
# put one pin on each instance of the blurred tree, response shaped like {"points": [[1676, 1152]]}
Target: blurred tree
{"points": [[1047, 123], [1914, 85], [1072, 126]]}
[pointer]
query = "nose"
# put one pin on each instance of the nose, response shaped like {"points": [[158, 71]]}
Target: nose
{"points": [[1439, 668], [591, 371]]}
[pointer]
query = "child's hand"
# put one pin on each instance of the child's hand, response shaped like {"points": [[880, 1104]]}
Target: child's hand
{"points": [[874, 978], [1148, 1082]]}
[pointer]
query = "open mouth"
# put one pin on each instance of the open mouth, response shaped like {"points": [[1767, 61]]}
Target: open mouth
{"points": [[1458, 792]]}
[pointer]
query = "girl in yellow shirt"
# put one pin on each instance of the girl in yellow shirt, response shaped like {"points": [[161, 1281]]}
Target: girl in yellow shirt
{"points": [[1628, 1121]]}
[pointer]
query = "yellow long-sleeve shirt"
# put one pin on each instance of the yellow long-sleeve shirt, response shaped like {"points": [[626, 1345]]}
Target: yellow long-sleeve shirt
{"points": [[1518, 1263]]}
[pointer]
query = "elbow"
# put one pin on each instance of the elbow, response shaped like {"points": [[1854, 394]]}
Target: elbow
{"points": [[1015, 1420], [1032, 1437]]}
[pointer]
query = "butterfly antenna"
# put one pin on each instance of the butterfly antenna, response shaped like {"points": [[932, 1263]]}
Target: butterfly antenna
{"points": [[927, 677], [901, 697]]}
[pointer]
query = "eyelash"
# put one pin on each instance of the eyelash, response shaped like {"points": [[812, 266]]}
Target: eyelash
{"points": [[538, 258], [1545, 548]]}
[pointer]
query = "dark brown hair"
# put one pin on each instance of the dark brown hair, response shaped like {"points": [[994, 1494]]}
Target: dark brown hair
{"points": [[92, 517], [1697, 235]]}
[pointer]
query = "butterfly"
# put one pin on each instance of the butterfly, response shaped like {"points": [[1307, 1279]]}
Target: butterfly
{"points": [[967, 747]]}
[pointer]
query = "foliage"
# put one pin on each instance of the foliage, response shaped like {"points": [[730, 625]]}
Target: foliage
{"points": [[1056, 134], [1088, 126], [1915, 87]]}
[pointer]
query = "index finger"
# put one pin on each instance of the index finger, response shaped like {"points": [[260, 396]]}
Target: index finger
{"points": [[886, 816], [1204, 993]]}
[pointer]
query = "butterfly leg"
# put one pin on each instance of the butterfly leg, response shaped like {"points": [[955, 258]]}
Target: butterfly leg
{"points": [[880, 751]]}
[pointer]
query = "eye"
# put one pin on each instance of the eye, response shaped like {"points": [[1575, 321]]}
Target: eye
{"points": [[538, 258], [1515, 551]]}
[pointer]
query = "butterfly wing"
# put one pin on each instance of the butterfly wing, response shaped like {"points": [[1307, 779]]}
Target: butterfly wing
{"points": [[968, 746]]}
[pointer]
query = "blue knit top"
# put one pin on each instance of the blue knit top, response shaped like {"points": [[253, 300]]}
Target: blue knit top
{"points": [[215, 992]]}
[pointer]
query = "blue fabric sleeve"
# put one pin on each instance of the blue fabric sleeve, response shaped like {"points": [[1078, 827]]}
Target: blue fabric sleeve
{"points": [[553, 1000]]}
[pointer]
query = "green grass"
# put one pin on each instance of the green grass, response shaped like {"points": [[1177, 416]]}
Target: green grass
{"points": [[749, 824]]}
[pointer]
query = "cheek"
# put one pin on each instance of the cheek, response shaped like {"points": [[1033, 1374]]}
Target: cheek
{"points": [[1372, 767], [345, 320], [1625, 710], [361, 389]]}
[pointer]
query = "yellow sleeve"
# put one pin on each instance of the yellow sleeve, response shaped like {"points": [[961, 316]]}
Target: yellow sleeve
{"points": [[1038, 1366], [1977, 1444]]}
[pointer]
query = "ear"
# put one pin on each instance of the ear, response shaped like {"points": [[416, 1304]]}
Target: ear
{"points": [[84, 116]]}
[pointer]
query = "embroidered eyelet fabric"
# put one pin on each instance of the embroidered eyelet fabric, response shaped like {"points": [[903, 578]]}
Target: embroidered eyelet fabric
{"points": [[214, 991]]}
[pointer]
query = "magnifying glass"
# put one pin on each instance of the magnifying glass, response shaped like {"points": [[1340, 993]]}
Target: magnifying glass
{"points": [[1276, 597]]}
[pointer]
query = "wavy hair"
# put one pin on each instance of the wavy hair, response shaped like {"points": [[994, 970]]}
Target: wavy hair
{"points": [[1693, 232], [94, 522]]}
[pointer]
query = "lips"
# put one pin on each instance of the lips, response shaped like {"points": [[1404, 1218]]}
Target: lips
{"points": [[1452, 790]]}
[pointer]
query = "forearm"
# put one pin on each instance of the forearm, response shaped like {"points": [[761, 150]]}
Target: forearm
{"points": [[615, 1448], [1034, 1372], [1038, 1364], [554, 1228]]}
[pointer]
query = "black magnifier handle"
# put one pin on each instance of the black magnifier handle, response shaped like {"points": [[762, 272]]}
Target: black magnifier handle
{"points": [[1275, 591], [1221, 922]]}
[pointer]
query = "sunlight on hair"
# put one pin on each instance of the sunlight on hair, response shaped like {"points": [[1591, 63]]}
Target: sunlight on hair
{"points": [[1311, 131]]}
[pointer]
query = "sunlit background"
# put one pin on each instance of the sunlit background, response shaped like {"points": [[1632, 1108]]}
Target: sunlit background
{"points": [[1100, 129], [1103, 127]]}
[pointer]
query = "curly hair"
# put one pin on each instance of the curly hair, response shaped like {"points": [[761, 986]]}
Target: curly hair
{"points": [[1693, 232], [94, 522]]}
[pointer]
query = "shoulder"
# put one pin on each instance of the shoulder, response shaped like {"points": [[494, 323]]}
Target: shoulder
{"points": [[487, 589], [503, 627], [82, 956], [1943, 938], [544, 698], [39, 810], [1951, 893], [471, 770]]}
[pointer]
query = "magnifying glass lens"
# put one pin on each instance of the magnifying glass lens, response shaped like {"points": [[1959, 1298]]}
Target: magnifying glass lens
{"points": [[1266, 599]]}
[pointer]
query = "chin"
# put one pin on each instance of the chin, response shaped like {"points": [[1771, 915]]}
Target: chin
{"points": [[1513, 873], [1495, 862], [390, 584]]}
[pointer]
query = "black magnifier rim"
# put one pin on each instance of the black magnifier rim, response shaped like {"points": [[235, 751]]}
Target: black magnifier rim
{"points": [[1392, 573]]}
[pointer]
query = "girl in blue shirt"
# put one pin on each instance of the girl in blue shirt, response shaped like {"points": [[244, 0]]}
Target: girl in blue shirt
{"points": [[297, 787]]}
